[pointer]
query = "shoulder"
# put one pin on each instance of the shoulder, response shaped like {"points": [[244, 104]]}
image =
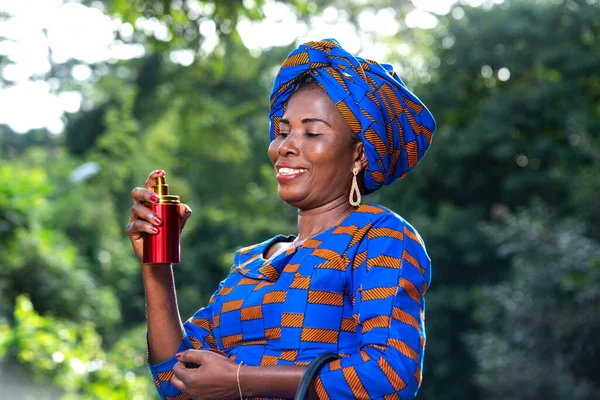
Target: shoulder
{"points": [[390, 238], [390, 246], [384, 222], [380, 216]]}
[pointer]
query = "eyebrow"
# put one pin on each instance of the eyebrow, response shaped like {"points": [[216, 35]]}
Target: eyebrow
{"points": [[305, 121]]}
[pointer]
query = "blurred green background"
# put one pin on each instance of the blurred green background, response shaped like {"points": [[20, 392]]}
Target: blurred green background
{"points": [[507, 198]]}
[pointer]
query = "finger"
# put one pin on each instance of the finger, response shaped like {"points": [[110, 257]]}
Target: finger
{"points": [[181, 371], [141, 212], [137, 226], [151, 181], [141, 195], [194, 356], [184, 212], [178, 383]]}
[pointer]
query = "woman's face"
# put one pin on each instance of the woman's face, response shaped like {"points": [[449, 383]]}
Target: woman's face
{"points": [[314, 153]]}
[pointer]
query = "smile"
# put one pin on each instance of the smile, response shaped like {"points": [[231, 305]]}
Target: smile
{"points": [[290, 171]]}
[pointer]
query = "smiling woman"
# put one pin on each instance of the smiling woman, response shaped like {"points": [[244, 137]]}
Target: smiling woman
{"points": [[313, 149], [350, 283]]}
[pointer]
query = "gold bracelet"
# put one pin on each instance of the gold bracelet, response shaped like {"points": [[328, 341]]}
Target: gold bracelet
{"points": [[238, 380]]}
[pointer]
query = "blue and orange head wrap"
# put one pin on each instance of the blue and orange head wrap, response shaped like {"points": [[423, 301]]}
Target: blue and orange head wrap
{"points": [[394, 125]]}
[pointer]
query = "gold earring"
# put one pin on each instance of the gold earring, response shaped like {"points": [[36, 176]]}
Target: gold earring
{"points": [[354, 191]]}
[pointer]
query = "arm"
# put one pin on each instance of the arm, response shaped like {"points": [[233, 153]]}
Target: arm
{"points": [[164, 325], [389, 308], [271, 381], [165, 330], [195, 333], [166, 335]]}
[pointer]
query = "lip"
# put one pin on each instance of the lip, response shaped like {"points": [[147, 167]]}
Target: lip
{"points": [[287, 178], [284, 164]]}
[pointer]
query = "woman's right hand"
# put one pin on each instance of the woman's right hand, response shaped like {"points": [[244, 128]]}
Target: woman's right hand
{"points": [[142, 219]]}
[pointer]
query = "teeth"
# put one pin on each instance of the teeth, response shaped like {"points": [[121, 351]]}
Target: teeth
{"points": [[290, 171]]}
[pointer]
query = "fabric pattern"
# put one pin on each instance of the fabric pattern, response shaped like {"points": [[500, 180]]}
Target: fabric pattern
{"points": [[356, 290], [394, 125]]}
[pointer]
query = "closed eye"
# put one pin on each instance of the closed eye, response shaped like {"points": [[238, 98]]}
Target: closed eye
{"points": [[283, 135]]}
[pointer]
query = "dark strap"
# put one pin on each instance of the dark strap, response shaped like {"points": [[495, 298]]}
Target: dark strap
{"points": [[311, 371]]}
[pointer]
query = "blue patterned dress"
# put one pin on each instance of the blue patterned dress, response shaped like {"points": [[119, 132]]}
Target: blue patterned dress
{"points": [[356, 290]]}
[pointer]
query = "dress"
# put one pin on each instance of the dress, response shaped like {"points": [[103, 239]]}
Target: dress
{"points": [[356, 290]]}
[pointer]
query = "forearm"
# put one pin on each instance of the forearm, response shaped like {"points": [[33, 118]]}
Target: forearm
{"points": [[165, 330], [272, 381]]}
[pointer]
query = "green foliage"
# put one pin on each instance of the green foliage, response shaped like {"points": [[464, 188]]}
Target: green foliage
{"points": [[539, 329], [183, 19], [71, 354], [41, 261]]}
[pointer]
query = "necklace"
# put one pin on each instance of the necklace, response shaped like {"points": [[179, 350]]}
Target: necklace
{"points": [[296, 244]]}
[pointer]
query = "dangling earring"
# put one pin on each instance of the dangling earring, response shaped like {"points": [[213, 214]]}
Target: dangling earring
{"points": [[354, 191]]}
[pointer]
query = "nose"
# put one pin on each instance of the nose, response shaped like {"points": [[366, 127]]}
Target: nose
{"points": [[288, 146]]}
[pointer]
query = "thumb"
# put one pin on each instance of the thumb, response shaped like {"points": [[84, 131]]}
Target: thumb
{"points": [[184, 213]]}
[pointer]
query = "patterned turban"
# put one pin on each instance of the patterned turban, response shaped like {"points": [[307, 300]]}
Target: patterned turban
{"points": [[394, 125]]}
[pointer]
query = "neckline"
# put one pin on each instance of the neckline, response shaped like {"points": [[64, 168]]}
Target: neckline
{"points": [[271, 242], [294, 249]]}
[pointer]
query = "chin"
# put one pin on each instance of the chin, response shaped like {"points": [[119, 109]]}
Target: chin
{"points": [[292, 197]]}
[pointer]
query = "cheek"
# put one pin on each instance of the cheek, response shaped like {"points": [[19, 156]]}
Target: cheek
{"points": [[317, 151], [334, 156], [273, 151]]}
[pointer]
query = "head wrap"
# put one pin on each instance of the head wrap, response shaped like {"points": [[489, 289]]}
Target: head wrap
{"points": [[394, 125]]}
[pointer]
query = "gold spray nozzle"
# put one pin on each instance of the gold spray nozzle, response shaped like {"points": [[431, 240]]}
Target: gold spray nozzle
{"points": [[162, 190]]}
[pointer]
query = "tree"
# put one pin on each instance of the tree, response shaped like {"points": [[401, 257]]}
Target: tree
{"points": [[539, 328]]}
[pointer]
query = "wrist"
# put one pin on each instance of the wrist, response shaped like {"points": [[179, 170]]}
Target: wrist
{"points": [[158, 278], [270, 381], [156, 269], [155, 265], [246, 381], [238, 384]]}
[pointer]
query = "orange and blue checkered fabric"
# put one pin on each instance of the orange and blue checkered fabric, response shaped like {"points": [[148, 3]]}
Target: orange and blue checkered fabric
{"points": [[394, 125], [356, 290]]}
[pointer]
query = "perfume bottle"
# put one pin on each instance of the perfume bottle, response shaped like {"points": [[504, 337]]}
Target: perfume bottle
{"points": [[164, 246]]}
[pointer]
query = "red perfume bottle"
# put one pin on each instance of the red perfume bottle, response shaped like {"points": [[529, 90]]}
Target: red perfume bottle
{"points": [[164, 247]]}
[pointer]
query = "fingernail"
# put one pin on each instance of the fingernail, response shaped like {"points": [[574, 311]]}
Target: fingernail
{"points": [[160, 172], [188, 211], [153, 198], [157, 220], [178, 355], [154, 229]]}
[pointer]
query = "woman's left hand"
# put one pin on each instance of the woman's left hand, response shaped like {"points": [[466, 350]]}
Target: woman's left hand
{"points": [[215, 378]]}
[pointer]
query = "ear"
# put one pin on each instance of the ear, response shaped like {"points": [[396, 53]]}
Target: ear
{"points": [[360, 158]]}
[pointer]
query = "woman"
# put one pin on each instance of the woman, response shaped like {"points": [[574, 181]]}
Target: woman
{"points": [[351, 282]]}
